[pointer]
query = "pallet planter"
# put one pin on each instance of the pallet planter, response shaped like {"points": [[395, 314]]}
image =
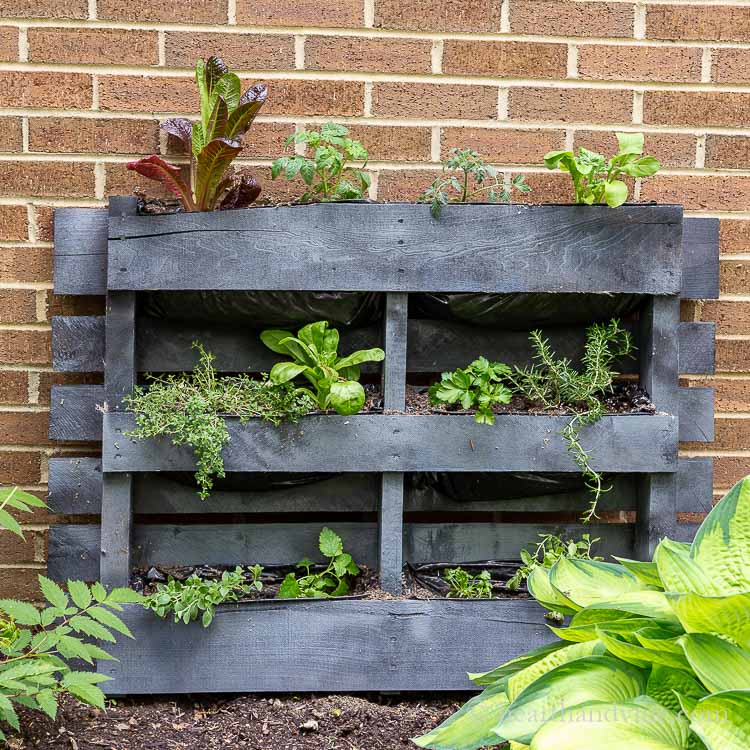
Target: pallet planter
{"points": [[394, 249]]}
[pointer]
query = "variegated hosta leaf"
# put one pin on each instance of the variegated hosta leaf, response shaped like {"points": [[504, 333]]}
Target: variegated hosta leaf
{"points": [[592, 678], [645, 572], [718, 664], [546, 595], [586, 582], [588, 632], [682, 574], [721, 720], [725, 615], [471, 727], [653, 604], [660, 638], [514, 665], [639, 656], [665, 684], [640, 724]]}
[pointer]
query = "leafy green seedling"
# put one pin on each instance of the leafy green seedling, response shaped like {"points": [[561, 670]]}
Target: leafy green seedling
{"points": [[466, 586], [466, 176], [328, 172], [333, 581], [596, 179], [479, 386], [315, 354]]}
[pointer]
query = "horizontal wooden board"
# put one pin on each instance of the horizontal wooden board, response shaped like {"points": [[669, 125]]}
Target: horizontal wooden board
{"points": [[432, 346], [696, 415], [75, 485], [324, 646], [401, 248], [75, 413], [700, 259], [80, 265], [73, 550], [632, 443], [695, 480]]}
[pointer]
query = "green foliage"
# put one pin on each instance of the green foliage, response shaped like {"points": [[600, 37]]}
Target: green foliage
{"points": [[478, 386], [198, 596], [315, 354], [548, 551], [14, 499], [656, 655], [333, 581], [554, 383], [212, 143], [188, 408], [595, 179], [466, 176], [466, 586], [328, 173]]}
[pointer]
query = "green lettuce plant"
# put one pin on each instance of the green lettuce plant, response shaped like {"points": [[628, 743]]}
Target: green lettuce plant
{"points": [[595, 178], [315, 353], [463, 585], [213, 143], [655, 656]]}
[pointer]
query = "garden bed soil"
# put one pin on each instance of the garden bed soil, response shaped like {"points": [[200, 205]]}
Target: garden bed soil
{"points": [[248, 722]]}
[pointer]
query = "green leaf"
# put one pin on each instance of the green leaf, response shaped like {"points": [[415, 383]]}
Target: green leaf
{"points": [[289, 588], [653, 604], [74, 648], [22, 612], [89, 694], [99, 592], [330, 543], [53, 593], [728, 615], [347, 397], [630, 143], [546, 595], [8, 713], [9, 523], [357, 358], [719, 664], [721, 720], [586, 582], [47, 702], [105, 617], [514, 665], [79, 593], [646, 572], [82, 624], [122, 596], [615, 193], [283, 372], [9, 494], [639, 656], [681, 574], [664, 684], [644, 167], [559, 159]]}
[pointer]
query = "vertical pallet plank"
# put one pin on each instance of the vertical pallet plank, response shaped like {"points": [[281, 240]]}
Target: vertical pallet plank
{"points": [[390, 532], [119, 378], [659, 344]]}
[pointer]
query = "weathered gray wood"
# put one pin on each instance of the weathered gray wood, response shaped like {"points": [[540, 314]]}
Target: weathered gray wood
{"points": [[75, 485], [696, 415], [700, 259], [80, 264], [329, 646], [695, 485], [685, 532], [74, 549], [632, 443], [697, 348], [400, 248], [78, 343], [75, 414]]}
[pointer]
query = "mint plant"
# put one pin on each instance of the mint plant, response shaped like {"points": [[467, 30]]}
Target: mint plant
{"points": [[36, 645], [328, 172], [595, 178], [315, 353], [212, 143], [335, 580], [463, 585], [479, 386], [466, 176], [194, 596]]}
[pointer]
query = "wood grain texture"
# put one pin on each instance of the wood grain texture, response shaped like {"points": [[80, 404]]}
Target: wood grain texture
{"points": [[697, 348], [80, 263], [632, 443], [700, 259], [400, 248], [78, 343], [74, 414], [75, 486], [325, 646], [695, 482], [696, 415]]}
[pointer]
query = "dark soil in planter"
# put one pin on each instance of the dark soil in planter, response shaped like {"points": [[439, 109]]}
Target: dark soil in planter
{"points": [[248, 722]]}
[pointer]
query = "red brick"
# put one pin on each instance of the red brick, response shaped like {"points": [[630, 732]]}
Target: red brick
{"points": [[438, 15], [732, 355], [8, 43], [728, 151], [729, 471], [11, 138], [18, 306], [20, 467], [671, 149], [404, 185], [571, 105], [20, 583], [329, 98], [14, 387], [620, 63], [731, 434], [47, 178], [46, 89], [713, 23], [393, 143], [24, 428], [563, 17], [44, 8], [504, 146], [732, 318], [711, 193], [301, 13], [275, 191], [44, 217], [13, 549], [93, 46], [731, 66], [266, 140], [148, 94], [735, 278], [240, 51], [696, 108], [362, 54], [734, 236], [13, 223], [546, 187], [508, 59], [185, 11], [121, 181], [63, 304], [85, 135], [730, 394], [434, 101], [25, 347], [48, 379]]}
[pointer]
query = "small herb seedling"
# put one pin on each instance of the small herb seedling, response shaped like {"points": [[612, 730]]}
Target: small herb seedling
{"points": [[479, 386], [315, 353], [466, 176], [596, 179], [328, 172], [333, 581], [466, 586]]}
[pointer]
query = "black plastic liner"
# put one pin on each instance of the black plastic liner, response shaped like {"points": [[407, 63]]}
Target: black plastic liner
{"points": [[251, 481], [263, 309], [524, 311], [488, 486]]}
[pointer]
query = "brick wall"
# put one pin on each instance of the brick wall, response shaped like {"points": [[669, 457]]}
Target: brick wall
{"points": [[84, 83]]}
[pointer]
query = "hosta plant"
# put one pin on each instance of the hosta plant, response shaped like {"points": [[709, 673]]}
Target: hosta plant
{"points": [[596, 178], [314, 349], [38, 644], [212, 142], [655, 656]]}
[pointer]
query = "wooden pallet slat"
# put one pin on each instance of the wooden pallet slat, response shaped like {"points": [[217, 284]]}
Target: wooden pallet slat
{"points": [[696, 415], [700, 258], [80, 263]]}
